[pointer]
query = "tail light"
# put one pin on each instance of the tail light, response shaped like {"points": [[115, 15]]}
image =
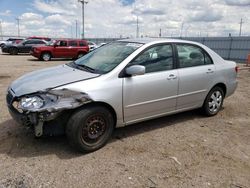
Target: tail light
{"points": [[237, 69]]}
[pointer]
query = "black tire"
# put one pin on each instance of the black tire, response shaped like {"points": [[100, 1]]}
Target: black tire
{"points": [[80, 55], [13, 51], [214, 101], [46, 56], [89, 128]]}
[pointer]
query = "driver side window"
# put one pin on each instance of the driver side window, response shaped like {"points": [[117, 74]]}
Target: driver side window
{"points": [[155, 59]]}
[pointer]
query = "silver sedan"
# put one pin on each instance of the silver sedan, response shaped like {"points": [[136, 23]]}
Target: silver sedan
{"points": [[119, 84]]}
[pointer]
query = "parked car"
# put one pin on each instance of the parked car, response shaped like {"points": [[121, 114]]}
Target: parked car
{"points": [[10, 41], [119, 84], [40, 38], [101, 44], [64, 48], [23, 47], [92, 45]]}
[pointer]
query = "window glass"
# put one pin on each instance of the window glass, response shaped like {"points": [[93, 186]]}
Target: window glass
{"points": [[158, 58], [62, 43], [108, 57], [190, 56], [72, 43], [81, 43], [40, 42], [30, 42], [208, 60]]}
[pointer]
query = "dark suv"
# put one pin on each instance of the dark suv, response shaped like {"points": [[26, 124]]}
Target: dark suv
{"points": [[22, 47], [63, 48]]}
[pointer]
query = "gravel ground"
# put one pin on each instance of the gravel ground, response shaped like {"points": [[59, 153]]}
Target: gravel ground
{"points": [[183, 150]]}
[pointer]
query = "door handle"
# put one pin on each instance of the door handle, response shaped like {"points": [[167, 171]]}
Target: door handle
{"points": [[172, 77], [209, 71]]}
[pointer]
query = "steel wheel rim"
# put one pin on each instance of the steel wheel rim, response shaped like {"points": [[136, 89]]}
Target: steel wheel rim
{"points": [[215, 101], [94, 129], [46, 57]]}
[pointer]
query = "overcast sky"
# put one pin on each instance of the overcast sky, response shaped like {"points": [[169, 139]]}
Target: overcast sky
{"points": [[115, 18]]}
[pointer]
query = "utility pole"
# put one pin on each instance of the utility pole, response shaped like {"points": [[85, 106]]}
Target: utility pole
{"points": [[1, 30], [71, 31], [83, 2], [18, 26], [160, 33], [137, 27], [241, 22], [76, 29]]}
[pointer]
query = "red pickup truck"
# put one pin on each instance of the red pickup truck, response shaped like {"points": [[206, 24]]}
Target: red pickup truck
{"points": [[63, 48]]}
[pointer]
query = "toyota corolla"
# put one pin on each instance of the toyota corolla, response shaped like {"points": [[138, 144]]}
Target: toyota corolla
{"points": [[119, 84]]}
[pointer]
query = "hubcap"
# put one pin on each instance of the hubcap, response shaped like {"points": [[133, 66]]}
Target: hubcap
{"points": [[94, 129], [46, 57], [215, 101]]}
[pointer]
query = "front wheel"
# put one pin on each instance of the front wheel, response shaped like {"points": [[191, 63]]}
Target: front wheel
{"points": [[213, 102], [46, 56], [90, 128], [13, 51]]}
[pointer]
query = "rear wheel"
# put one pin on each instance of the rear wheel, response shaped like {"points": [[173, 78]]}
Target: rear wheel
{"points": [[214, 101], [46, 56], [90, 128], [13, 51]]}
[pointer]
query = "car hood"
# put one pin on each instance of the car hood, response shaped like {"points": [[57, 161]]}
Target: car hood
{"points": [[48, 78]]}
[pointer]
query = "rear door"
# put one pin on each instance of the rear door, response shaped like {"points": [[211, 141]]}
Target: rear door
{"points": [[154, 93], [196, 72], [26, 46], [73, 49]]}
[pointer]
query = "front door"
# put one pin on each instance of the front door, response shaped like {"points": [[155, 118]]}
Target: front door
{"points": [[61, 49], [154, 93]]}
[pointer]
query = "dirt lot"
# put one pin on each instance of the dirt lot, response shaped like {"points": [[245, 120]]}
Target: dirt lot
{"points": [[184, 150]]}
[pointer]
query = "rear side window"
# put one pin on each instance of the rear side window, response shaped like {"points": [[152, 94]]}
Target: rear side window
{"points": [[30, 42], [72, 43], [191, 56], [39, 42], [82, 43]]}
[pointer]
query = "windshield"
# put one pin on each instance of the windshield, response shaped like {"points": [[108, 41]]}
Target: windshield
{"points": [[107, 57]]}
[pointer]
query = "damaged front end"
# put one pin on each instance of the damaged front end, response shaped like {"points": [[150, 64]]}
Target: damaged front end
{"points": [[44, 106]]}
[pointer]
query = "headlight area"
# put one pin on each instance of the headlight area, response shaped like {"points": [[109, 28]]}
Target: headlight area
{"points": [[46, 106]]}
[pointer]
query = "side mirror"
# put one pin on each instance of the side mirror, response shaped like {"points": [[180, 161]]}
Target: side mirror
{"points": [[135, 70]]}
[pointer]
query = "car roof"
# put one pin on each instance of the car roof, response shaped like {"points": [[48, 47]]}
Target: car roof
{"points": [[155, 40], [69, 39]]}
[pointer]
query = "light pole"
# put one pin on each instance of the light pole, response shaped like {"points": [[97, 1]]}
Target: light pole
{"points": [[83, 2], [182, 25], [18, 28], [76, 29], [241, 22], [137, 27], [1, 30]]}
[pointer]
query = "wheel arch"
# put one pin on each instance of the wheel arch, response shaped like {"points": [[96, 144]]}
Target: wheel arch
{"points": [[46, 51], [222, 86], [106, 105]]}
